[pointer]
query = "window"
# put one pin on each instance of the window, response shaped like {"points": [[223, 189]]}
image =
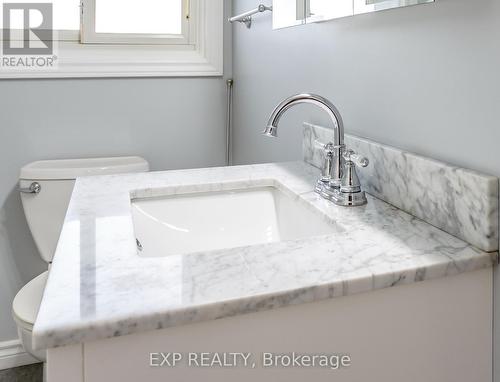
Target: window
{"points": [[116, 38], [136, 22], [66, 19]]}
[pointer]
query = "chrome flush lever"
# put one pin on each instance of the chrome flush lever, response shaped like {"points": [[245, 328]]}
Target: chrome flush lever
{"points": [[34, 188]]}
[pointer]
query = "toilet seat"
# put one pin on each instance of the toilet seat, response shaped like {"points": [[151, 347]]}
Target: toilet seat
{"points": [[27, 301]]}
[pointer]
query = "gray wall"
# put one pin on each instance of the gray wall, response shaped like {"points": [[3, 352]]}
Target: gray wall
{"points": [[172, 122], [51, 119], [423, 78]]}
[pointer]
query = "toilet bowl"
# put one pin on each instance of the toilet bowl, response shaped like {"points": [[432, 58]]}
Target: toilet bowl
{"points": [[46, 188], [25, 309]]}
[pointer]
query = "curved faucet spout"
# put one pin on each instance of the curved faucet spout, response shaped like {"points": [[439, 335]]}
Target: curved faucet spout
{"points": [[338, 126], [317, 100]]}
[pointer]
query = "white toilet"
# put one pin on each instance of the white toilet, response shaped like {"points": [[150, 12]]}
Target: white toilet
{"points": [[46, 188]]}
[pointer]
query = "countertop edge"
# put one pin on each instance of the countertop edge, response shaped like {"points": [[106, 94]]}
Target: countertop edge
{"points": [[269, 301]]}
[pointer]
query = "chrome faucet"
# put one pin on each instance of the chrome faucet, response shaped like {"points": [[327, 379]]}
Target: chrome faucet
{"points": [[339, 181]]}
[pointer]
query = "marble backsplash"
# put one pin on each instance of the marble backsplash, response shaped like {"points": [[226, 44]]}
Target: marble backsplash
{"points": [[462, 202]]}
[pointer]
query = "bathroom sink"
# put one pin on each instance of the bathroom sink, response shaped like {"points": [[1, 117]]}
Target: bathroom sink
{"points": [[186, 223]]}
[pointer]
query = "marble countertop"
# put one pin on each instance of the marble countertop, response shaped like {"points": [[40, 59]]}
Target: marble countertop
{"points": [[98, 286]]}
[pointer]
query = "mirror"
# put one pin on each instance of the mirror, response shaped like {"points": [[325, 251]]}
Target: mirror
{"points": [[288, 13]]}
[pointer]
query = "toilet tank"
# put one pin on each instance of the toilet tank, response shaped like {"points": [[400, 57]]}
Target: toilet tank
{"points": [[45, 211]]}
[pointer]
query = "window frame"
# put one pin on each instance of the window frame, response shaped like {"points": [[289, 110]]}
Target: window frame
{"points": [[88, 35], [202, 57]]}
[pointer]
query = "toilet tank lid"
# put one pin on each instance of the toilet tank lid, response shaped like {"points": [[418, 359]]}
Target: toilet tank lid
{"points": [[63, 169]]}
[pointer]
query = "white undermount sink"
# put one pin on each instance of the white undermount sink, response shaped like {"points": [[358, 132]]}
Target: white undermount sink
{"points": [[186, 223]]}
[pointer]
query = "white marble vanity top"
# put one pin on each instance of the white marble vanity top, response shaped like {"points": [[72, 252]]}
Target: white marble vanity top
{"points": [[99, 287]]}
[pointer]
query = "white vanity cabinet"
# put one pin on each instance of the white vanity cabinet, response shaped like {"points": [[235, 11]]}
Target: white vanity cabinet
{"points": [[433, 331]]}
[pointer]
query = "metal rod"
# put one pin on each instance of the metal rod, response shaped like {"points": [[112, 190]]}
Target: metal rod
{"points": [[229, 124], [247, 16]]}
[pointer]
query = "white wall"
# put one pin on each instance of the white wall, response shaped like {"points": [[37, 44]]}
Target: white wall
{"points": [[172, 122], [423, 78]]}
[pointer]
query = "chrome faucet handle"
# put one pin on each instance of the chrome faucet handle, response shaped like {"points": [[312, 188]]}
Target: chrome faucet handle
{"points": [[350, 155], [350, 192], [328, 151]]}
